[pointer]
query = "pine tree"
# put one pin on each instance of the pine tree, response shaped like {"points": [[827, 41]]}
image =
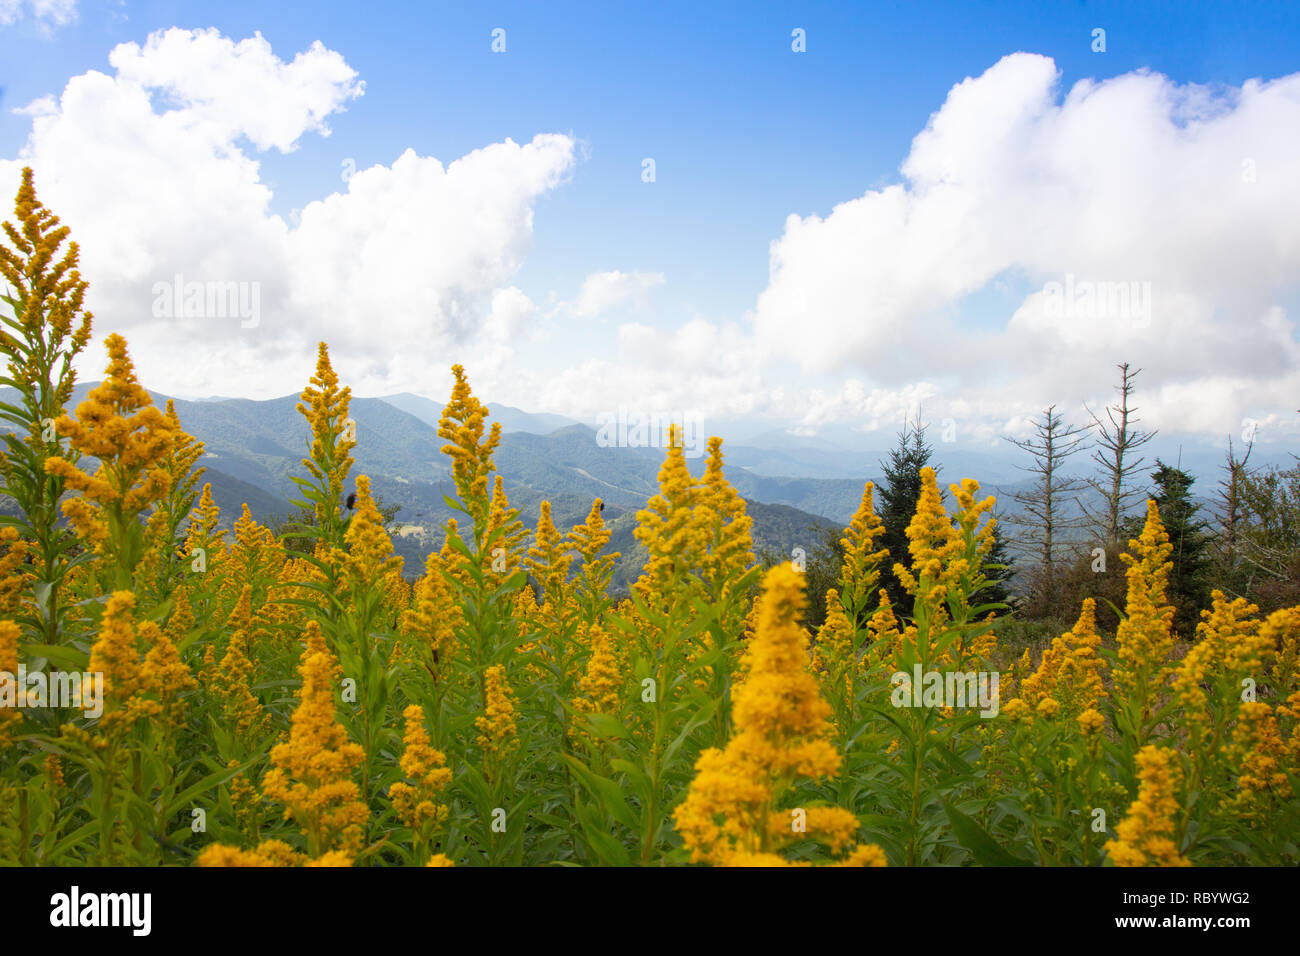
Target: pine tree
{"points": [[899, 493], [1188, 588], [999, 568]]}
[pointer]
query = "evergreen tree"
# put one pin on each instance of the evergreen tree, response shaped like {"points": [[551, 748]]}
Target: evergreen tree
{"points": [[999, 569], [899, 493], [1188, 589]]}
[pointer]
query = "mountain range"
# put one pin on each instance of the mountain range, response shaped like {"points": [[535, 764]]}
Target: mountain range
{"points": [[795, 487]]}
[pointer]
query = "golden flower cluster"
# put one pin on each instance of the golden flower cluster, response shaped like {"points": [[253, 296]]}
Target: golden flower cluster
{"points": [[49, 294], [230, 682], [119, 425], [549, 558], [861, 568], [1262, 755], [1145, 837], [731, 812], [311, 774], [496, 726], [1229, 648], [325, 406], [724, 523], [416, 804], [505, 531], [370, 555], [9, 635], [13, 580], [833, 653], [434, 614], [602, 681], [1072, 672], [462, 425], [1145, 636]]}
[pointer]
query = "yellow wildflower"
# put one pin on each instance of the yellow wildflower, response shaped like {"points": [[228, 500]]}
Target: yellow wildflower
{"points": [[860, 571], [471, 456], [432, 619], [505, 532], [13, 579], [370, 555], [325, 406], [416, 805], [1145, 836], [496, 726], [1145, 638], [1071, 669], [781, 734], [311, 774], [119, 425], [9, 715], [600, 685], [548, 559]]}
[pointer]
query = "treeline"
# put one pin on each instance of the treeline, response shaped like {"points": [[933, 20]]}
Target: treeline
{"points": [[1063, 540]]}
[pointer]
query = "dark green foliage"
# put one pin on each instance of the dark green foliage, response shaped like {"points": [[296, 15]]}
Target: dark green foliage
{"points": [[899, 493], [1189, 588]]}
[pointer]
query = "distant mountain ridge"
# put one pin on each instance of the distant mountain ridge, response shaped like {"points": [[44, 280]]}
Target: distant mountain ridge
{"points": [[253, 447]]}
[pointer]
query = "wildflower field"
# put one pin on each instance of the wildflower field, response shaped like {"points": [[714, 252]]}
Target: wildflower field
{"points": [[252, 700]]}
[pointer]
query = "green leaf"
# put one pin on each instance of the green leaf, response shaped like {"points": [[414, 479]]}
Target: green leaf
{"points": [[977, 840]]}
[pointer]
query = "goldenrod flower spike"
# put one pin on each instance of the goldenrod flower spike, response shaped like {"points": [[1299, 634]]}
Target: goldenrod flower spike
{"points": [[9, 636], [1145, 636], [860, 570], [434, 615], [725, 523], [164, 674], [548, 559], [416, 804], [311, 774], [13, 576], [833, 654], [590, 537], [504, 519], [48, 293], [325, 406], [1071, 672], [115, 655], [370, 549], [471, 456], [1145, 836], [600, 685], [666, 526], [1230, 646], [119, 425], [733, 813]]}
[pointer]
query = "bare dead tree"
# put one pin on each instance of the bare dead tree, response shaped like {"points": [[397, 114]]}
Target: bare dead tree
{"points": [[1043, 507], [1230, 513], [1117, 440]]}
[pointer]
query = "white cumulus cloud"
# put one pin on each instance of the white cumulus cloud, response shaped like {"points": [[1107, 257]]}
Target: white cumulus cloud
{"points": [[603, 291], [1186, 190], [155, 168]]}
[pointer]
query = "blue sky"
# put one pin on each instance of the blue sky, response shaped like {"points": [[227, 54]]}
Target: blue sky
{"points": [[744, 133]]}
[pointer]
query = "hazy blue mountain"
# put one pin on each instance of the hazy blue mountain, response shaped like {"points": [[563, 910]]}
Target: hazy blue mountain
{"points": [[254, 447], [511, 419]]}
